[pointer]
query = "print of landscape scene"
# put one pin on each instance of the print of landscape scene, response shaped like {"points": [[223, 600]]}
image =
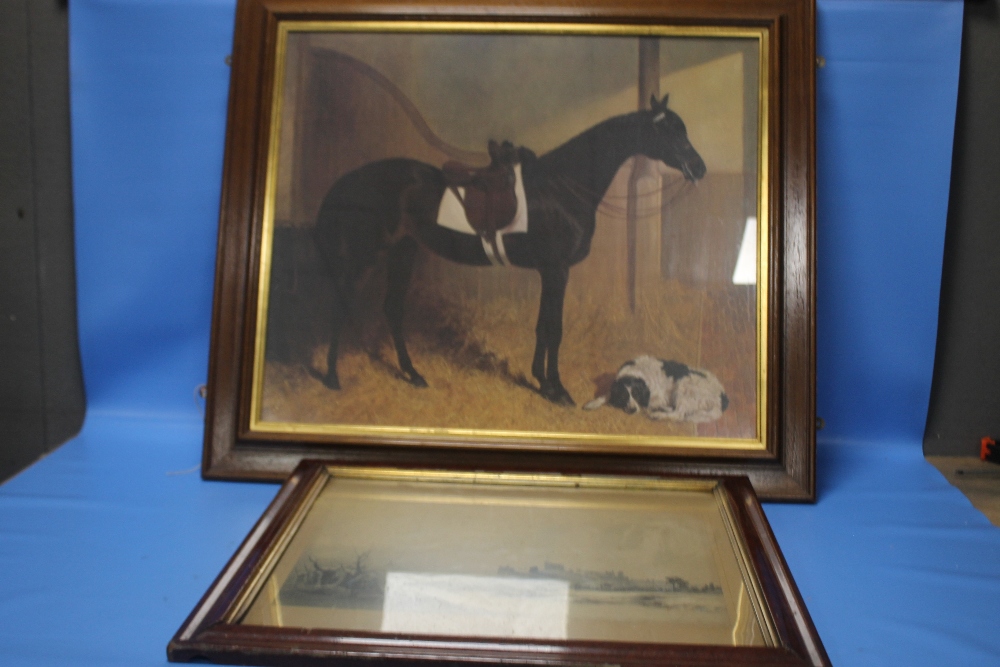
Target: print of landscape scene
{"points": [[356, 585]]}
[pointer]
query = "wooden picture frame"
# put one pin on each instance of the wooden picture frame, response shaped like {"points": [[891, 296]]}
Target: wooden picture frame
{"points": [[350, 99], [350, 565]]}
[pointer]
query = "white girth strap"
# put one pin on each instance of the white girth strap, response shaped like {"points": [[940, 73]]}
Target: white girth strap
{"points": [[502, 250], [492, 256]]}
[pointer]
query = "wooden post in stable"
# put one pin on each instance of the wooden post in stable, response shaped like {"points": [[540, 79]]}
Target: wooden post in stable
{"points": [[643, 224]]}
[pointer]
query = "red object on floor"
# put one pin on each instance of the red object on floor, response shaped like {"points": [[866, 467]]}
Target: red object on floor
{"points": [[988, 450]]}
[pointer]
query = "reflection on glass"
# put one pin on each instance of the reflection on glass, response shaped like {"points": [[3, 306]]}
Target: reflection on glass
{"points": [[653, 255], [528, 561], [464, 604]]}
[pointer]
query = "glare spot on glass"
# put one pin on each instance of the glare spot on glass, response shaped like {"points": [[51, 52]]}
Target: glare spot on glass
{"points": [[450, 604], [745, 272]]}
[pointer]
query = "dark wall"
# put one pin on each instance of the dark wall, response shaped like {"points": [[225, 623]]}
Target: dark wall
{"points": [[41, 387], [965, 396]]}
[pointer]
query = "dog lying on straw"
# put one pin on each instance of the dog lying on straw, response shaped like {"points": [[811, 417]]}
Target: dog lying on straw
{"points": [[665, 390]]}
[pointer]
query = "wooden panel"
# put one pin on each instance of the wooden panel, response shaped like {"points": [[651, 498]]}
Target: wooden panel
{"points": [[702, 230], [728, 347], [41, 385]]}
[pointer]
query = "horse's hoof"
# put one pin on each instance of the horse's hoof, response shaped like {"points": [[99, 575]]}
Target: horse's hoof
{"points": [[557, 394], [563, 398], [331, 382], [416, 379]]}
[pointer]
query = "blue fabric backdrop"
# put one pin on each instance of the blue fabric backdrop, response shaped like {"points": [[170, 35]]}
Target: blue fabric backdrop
{"points": [[886, 116], [107, 544]]}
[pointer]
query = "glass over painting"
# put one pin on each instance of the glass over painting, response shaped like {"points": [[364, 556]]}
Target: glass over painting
{"points": [[666, 280], [502, 556]]}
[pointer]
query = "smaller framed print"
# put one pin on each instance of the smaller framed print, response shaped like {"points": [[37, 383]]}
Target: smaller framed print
{"points": [[358, 564], [480, 233]]}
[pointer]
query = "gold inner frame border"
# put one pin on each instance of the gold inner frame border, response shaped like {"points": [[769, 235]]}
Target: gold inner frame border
{"points": [[416, 436]]}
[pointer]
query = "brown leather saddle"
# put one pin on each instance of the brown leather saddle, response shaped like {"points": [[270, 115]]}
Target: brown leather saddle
{"points": [[489, 198]]}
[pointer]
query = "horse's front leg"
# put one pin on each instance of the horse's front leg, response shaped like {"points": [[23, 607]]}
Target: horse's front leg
{"points": [[548, 335]]}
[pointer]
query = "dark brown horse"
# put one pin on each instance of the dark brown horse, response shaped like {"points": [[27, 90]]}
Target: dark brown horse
{"points": [[389, 208]]}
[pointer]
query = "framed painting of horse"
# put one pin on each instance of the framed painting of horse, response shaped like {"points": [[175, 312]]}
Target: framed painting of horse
{"points": [[571, 235]]}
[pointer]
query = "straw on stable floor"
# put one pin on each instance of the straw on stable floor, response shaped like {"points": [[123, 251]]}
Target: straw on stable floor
{"points": [[476, 359]]}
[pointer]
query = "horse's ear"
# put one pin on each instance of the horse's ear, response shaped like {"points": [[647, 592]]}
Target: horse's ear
{"points": [[658, 105], [493, 148]]}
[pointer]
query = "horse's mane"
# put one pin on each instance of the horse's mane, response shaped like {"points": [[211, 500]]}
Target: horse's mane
{"points": [[581, 168], [571, 148]]}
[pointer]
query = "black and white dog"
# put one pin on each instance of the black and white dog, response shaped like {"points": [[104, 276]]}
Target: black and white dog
{"points": [[665, 390]]}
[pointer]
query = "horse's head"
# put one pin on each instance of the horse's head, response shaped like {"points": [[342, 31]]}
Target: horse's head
{"points": [[669, 141]]}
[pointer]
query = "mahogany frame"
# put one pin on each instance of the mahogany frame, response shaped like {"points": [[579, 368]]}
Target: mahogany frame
{"points": [[209, 634], [784, 472]]}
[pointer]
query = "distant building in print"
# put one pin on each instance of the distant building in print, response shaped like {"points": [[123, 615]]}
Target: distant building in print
{"points": [[608, 581]]}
